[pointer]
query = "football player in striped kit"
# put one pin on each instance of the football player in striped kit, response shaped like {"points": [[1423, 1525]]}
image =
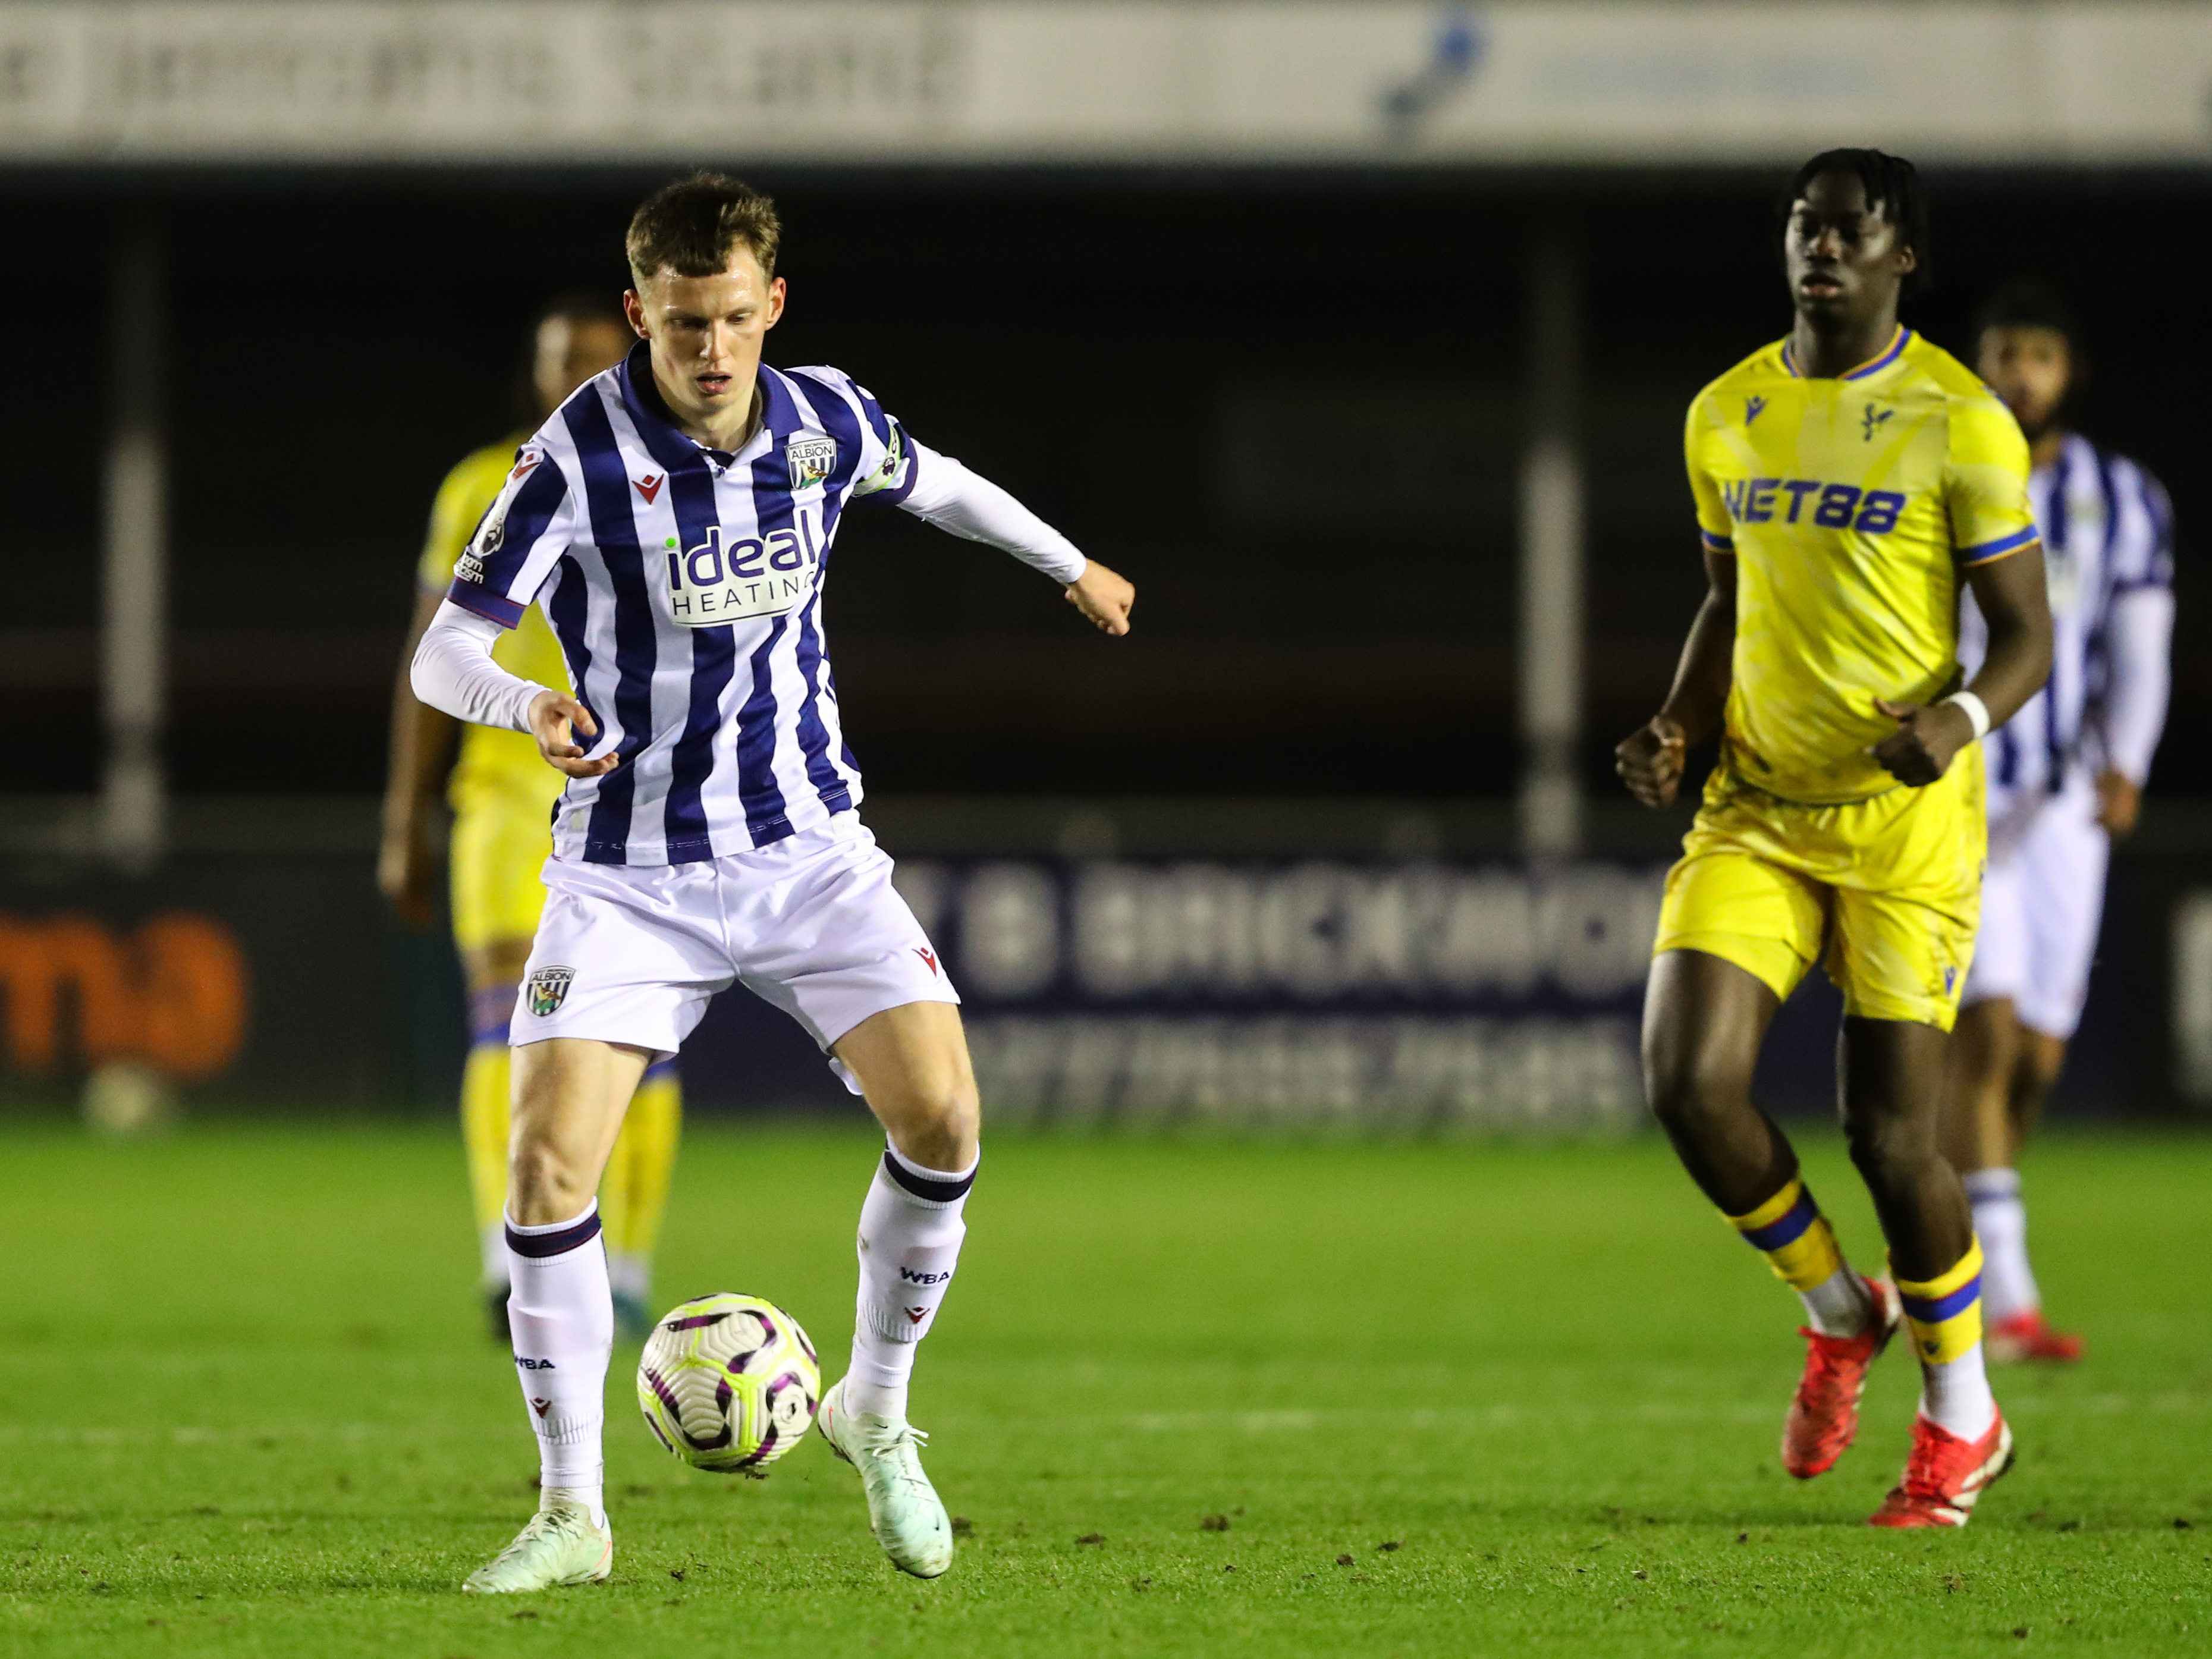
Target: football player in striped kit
{"points": [[502, 793], [2065, 776], [673, 520]]}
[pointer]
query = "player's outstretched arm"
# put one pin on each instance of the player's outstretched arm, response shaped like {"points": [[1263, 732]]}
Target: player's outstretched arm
{"points": [[422, 740], [962, 502], [1650, 759], [454, 670], [2016, 605]]}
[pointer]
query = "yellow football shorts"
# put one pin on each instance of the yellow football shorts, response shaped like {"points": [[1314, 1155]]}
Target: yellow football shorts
{"points": [[502, 839], [1890, 887]]}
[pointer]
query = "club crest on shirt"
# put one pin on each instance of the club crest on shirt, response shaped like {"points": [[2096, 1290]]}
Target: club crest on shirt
{"points": [[548, 988], [811, 459]]}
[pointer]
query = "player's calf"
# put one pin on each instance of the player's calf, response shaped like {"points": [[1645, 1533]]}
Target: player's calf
{"points": [[911, 1230]]}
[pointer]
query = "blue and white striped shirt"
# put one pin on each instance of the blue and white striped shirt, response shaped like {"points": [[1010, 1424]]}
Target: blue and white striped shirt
{"points": [[2107, 533], [685, 587]]}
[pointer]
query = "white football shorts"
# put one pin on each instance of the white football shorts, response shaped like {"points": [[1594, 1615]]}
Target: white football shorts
{"points": [[2043, 900], [810, 924]]}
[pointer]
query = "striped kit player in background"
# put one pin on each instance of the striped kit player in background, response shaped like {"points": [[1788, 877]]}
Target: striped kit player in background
{"points": [[2065, 778]]}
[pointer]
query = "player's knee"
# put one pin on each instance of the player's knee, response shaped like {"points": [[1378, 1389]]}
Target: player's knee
{"points": [[1887, 1147], [545, 1184], [1688, 1086], [936, 1123]]}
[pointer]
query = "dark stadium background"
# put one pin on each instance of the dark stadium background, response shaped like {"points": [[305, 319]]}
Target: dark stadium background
{"points": [[1290, 408], [1289, 403]]}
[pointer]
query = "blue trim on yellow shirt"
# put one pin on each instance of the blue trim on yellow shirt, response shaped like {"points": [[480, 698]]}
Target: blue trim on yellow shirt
{"points": [[1872, 366], [1982, 552], [1897, 345]]}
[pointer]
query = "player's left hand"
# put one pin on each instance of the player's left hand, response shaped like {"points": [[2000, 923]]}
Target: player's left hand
{"points": [[1105, 596], [1927, 737], [2120, 802]]}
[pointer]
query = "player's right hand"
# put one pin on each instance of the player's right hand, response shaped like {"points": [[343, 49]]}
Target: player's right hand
{"points": [[1105, 596], [1649, 761], [554, 719]]}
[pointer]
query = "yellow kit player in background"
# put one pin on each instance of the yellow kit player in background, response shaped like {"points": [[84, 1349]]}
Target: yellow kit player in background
{"points": [[502, 795], [1848, 481]]}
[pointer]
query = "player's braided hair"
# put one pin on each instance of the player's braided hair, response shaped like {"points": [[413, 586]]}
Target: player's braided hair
{"points": [[690, 227], [1892, 189]]}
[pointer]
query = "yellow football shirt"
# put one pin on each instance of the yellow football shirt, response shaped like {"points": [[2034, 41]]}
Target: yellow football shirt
{"points": [[493, 762], [1851, 504]]}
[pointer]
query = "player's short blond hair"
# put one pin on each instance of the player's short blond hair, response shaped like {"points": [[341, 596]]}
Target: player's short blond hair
{"points": [[690, 228]]}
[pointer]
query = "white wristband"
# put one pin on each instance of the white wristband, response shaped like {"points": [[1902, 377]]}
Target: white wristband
{"points": [[1976, 711]]}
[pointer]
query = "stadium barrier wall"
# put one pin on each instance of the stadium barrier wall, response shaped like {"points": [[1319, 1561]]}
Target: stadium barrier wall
{"points": [[1390, 82], [1234, 993]]}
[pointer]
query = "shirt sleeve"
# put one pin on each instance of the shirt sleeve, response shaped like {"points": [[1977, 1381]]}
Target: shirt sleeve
{"points": [[461, 502], [1985, 482], [1714, 524], [454, 671], [2138, 624], [940, 491], [523, 535]]}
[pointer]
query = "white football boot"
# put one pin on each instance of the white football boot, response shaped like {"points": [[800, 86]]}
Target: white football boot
{"points": [[904, 1511], [559, 1547]]}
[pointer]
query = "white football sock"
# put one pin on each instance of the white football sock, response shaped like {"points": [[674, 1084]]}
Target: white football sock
{"points": [[1838, 1305], [2001, 1222], [493, 1241], [1956, 1396], [563, 1326], [909, 1243]]}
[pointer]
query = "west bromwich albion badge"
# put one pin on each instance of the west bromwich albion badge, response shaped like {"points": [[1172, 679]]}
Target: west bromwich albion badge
{"points": [[811, 459], [548, 988]]}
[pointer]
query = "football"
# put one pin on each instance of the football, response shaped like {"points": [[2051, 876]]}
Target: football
{"points": [[728, 1383]]}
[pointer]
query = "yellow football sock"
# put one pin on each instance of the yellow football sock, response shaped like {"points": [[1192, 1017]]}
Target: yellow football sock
{"points": [[1795, 1238], [634, 1193], [483, 1129], [1945, 1312]]}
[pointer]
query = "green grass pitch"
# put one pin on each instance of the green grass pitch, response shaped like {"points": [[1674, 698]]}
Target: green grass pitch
{"points": [[1444, 1398]]}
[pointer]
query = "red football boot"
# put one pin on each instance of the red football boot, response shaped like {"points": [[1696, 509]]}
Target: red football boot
{"points": [[2029, 1336], [1825, 1415], [1944, 1476]]}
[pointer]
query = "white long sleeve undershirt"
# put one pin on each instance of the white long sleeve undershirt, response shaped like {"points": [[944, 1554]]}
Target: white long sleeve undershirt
{"points": [[454, 671], [2139, 642], [964, 503]]}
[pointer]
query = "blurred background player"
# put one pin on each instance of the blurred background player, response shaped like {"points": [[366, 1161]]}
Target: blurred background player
{"points": [[502, 796], [2065, 776], [1849, 480]]}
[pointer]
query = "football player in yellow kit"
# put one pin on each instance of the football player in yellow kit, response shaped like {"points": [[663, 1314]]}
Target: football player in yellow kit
{"points": [[1849, 479], [502, 795]]}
